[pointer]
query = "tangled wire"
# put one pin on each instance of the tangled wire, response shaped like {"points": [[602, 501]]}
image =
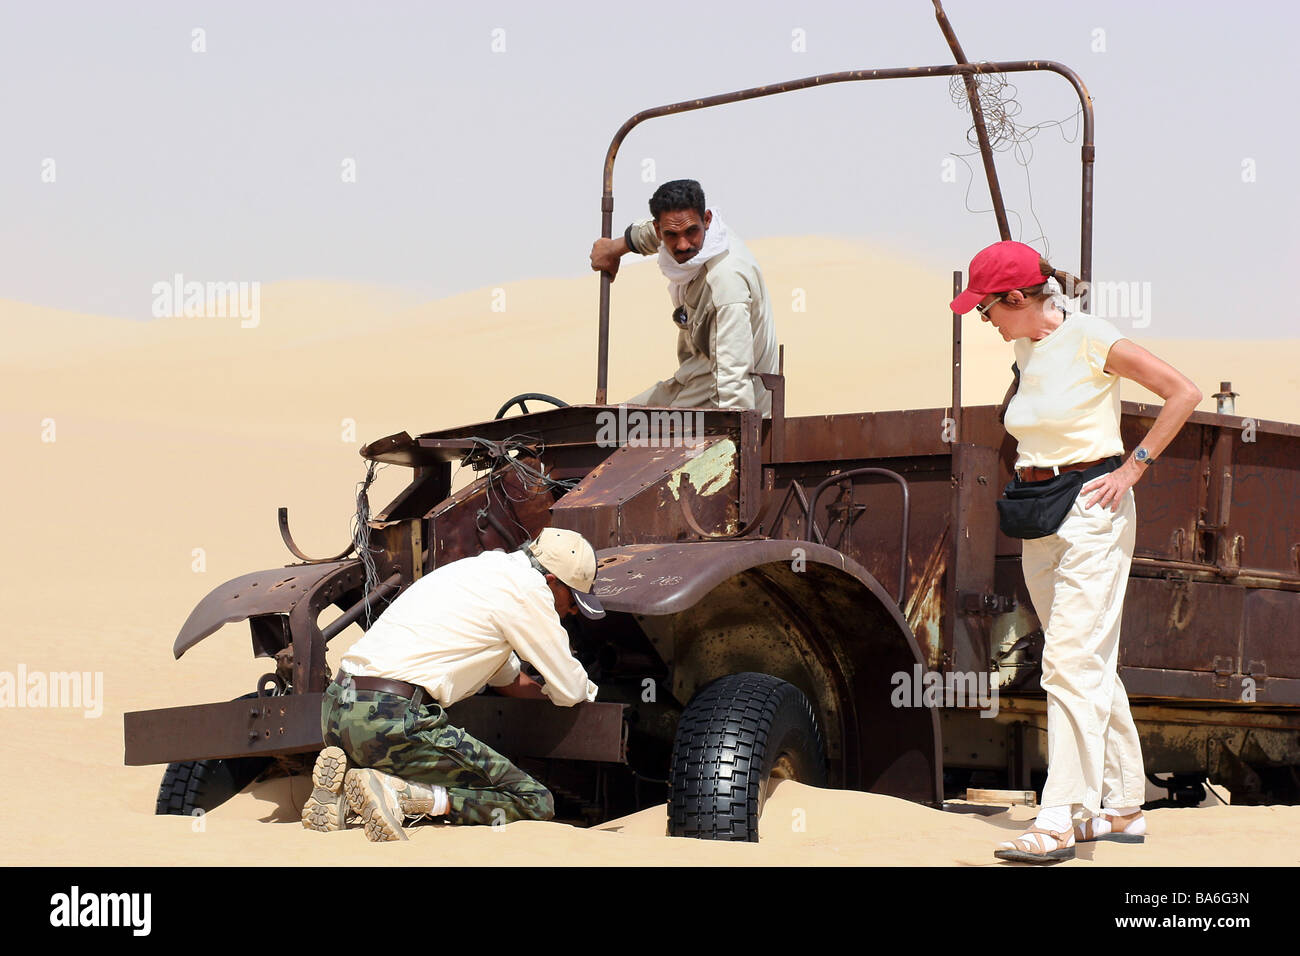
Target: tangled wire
{"points": [[361, 537], [997, 98], [513, 455]]}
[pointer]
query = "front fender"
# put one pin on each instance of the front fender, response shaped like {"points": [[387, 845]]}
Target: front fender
{"points": [[276, 591], [799, 610]]}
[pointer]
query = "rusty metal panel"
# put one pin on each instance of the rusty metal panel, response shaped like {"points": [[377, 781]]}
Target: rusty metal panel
{"points": [[1181, 625], [1171, 495], [862, 518], [1265, 500], [291, 724], [970, 587], [430, 485], [748, 467], [536, 728], [635, 495], [575, 424], [866, 435], [237, 728], [495, 511], [1194, 685], [1271, 636]]}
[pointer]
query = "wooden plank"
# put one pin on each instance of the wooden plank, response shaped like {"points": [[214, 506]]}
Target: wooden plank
{"points": [[1015, 798]]}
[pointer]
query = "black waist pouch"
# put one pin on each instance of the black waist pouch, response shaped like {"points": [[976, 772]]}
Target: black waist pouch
{"points": [[1035, 509]]}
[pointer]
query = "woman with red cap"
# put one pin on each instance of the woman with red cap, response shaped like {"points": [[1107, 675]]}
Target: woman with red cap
{"points": [[1072, 503]]}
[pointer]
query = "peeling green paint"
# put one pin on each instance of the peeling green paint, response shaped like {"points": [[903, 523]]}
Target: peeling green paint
{"points": [[709, 471]]}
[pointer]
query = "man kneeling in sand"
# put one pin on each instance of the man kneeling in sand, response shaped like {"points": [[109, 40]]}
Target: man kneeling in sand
{"points": [[461, 627]]}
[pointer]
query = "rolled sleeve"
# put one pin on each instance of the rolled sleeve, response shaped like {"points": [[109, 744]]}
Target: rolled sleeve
{"points": [[642, 237]]}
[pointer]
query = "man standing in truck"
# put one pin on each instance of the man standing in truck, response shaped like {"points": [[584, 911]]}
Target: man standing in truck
{"points": [[725, 333], [466, 625]]}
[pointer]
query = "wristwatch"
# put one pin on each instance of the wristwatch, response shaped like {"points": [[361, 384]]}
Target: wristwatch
{"points": [[1143, 457]]}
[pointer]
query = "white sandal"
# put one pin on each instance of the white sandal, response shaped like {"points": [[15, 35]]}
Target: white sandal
{"points": [[1035, 849], [1132, 830]]}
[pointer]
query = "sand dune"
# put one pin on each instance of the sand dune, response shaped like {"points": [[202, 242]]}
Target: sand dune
{"points": [[176, 439]]}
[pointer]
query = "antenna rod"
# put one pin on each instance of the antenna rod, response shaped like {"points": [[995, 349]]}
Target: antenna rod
{"points": [[977, 114]]}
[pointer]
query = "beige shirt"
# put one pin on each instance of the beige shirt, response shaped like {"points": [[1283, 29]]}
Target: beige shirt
{"points": [[1067, 408], [729, 336], [468, 624]]}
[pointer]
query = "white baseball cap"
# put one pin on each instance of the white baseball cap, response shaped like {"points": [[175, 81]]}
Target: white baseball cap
{"points": [[571, 558]]}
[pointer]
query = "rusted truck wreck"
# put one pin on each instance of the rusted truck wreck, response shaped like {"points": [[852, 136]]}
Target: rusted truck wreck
{"points": [[774, 585]]}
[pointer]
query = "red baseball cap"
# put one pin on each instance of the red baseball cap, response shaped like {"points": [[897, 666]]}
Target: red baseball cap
{"points": [[1001, 267]]}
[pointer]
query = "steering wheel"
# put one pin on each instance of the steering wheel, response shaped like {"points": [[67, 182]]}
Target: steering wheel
{"points": [[521, 401]]}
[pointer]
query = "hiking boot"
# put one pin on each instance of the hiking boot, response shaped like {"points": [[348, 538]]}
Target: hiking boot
{"points": [[422, 799], [327, 808], [374, 797]]}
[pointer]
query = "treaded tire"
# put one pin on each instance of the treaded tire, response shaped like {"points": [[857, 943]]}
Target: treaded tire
{"points": [[190, 785], [729, 738]]}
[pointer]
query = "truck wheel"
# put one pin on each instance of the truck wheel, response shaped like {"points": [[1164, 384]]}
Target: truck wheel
{"points": [[735, 738], [190, 785]]}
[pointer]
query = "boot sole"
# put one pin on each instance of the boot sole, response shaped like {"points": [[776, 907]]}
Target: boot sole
{"points": [[368, 800], [326, 809]]}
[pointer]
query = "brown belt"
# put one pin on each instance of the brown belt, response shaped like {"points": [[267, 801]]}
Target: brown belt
{"points": [[399, 688], [1032, 473]]}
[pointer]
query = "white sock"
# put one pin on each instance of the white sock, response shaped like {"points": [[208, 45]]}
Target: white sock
{"points": [[1122, 811], [1056, 819], [441, 801]]}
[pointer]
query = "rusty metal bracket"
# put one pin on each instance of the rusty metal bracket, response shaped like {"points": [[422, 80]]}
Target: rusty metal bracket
{"points": [[686, 490], [1223, 668], [811, 511], [975, 602], [283, 518], [794, 492], [1176, 541]]}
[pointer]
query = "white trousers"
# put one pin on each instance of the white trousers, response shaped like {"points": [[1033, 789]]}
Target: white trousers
{"points": [[1077, 579]]}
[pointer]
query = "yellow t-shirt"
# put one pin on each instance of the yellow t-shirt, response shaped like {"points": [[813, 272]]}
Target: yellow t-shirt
{"points": [[1067, 408]]}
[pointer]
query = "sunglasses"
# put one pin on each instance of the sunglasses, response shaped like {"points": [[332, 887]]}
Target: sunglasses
{"points": [[983, 310]]}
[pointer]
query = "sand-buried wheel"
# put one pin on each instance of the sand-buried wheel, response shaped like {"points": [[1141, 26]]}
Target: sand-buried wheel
{"points": [[736, 738], [190, 785]]}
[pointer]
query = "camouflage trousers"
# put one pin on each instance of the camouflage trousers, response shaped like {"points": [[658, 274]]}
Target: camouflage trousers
{"points": [[413, 739]]}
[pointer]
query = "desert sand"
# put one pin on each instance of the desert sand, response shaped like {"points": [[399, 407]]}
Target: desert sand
{"points": [[175, 440]]}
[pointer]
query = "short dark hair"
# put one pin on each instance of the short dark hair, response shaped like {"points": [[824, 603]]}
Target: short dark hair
{"points": [[676, 195]]}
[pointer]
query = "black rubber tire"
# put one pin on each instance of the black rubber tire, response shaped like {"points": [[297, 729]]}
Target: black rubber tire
{"points": [[190, 785], [728, 740]]}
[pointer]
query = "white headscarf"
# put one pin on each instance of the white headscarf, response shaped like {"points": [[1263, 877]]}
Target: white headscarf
{"points": [[716, 240]]}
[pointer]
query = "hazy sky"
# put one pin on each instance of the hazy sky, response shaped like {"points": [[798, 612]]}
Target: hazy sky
{"points": [[476, 166]]}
